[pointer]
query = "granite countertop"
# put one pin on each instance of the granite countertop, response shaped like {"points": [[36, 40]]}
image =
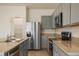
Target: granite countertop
{"points": [[70, 49], [54, 37], [6, 46]]}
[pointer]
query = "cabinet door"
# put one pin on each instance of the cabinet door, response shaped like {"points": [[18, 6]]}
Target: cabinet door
{"points": [[54, 50], [74, 12], [53, 20], [60, 8], [44, 42], [23, 48], [54, 15], [66, 13], [57, 51], [26, 46], [44, 22], [49, 22]]}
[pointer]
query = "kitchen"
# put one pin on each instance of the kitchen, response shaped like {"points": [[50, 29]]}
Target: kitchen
{"points": [[54, 29]]}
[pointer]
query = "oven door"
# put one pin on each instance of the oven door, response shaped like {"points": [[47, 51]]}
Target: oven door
{"points": [[51, 47]]}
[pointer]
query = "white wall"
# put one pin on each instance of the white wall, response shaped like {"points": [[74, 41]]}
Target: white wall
{"points": [[35, 14], [74, 30], [6, 13]]}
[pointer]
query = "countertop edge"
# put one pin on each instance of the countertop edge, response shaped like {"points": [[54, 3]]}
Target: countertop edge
{"points": [[68, 53], [18, 43]]}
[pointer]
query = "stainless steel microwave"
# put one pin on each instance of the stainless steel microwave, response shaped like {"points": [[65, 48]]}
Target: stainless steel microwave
{"points": [[58, 20]]}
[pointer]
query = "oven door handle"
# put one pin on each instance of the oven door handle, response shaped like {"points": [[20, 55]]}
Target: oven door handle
{"points": [[50, 42]]}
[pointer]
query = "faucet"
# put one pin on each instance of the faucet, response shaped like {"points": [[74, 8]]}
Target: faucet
{"points": [[10, 37]]}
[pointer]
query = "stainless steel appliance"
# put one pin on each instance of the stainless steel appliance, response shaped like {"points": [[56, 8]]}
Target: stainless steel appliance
{"points": [[34, 29], [58, 20], [66, 36]]}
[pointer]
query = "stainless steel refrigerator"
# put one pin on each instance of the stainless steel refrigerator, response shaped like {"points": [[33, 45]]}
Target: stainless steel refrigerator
{"points": [[34, 29]]}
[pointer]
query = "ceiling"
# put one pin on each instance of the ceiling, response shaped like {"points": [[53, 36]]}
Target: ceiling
{"points": [[33, 5]]}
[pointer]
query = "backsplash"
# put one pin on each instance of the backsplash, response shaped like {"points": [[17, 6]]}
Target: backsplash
{"points": [[48, 31], [74, 30]]}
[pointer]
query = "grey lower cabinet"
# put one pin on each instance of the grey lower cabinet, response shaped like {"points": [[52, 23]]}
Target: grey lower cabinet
{"points": [[47, 22], [3, 54], [44, 42], [57, 51], [74, 12], [19, 50], [23, 48]]}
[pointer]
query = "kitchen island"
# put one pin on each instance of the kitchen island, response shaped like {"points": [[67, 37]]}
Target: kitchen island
{"points": [[9, 48]]}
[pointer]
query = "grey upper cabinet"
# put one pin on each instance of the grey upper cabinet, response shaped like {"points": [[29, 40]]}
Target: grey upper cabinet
{"points": [[44, 22], [66, 13], [53, 18], [47, 22], [70, 13], [53, 21], [63, 8], [74, 12], [60, 8], [57, 11]]}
